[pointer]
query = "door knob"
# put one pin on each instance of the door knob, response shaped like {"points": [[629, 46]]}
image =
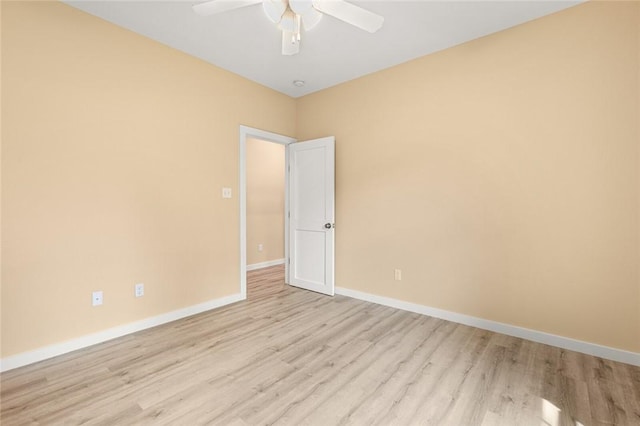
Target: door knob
{"points": [[328, 225]]}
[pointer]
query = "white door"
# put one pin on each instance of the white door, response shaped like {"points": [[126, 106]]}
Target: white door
{"points": [[311, 222]]}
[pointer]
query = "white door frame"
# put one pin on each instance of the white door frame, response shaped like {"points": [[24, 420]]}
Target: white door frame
{"points": [[246, 133]]}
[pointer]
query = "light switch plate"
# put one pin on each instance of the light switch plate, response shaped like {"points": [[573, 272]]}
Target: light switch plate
{"points": [[397, 274]]}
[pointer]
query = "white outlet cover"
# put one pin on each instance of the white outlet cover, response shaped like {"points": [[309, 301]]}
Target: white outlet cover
{"points": [[139, 290], [226, 192], [96, 298]]}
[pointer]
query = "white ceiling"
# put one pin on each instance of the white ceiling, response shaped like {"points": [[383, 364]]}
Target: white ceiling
{"points": [[244, 42]]}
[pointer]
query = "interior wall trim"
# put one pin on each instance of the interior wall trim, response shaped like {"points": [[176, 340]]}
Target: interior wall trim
{"points": [[606, 352], [40, 354], [266, 264]]}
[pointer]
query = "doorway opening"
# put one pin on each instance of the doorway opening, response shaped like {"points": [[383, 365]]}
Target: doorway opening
{"points": [[254, 252], [265, 217], [265, 204]]}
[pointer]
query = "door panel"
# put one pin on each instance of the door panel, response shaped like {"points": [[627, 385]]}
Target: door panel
{"points": [[310, 256], [312, 198]]}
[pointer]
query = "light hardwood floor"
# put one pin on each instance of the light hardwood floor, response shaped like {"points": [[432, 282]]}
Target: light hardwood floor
{"points": [[289, 356]]}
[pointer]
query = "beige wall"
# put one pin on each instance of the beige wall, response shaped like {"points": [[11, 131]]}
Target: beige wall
{"points": [[501, 176], [265, 201], [0, 181], [115, 150]]}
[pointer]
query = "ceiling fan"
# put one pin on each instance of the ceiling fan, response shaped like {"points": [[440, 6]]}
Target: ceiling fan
{"points": [[292, 15]]}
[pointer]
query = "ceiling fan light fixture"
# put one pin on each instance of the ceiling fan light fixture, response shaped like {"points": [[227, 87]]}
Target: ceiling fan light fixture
{"points": [[311, 18], [290, 43], [288, 22], [274, 9], [301, 6]]}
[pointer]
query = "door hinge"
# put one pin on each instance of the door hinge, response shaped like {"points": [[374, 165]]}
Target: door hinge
{"points": [[289, 214], [289, 261]]}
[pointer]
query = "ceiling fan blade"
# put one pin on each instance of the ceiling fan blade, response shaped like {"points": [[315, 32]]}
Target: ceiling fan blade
{"points": [[350, 13], [218, 6], [290, 43]]}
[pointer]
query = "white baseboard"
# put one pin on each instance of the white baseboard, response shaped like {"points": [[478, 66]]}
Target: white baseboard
{"points": [[51, 351], [261, 265], [46, 352], [613, 354]]}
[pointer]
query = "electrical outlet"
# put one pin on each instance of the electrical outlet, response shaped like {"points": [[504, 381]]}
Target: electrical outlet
{"points": [[260, 247], [397, 274], [139, 289], [226, 192], [96, 298]]}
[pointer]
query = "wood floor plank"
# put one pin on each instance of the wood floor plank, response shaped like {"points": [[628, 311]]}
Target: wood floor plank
{"points": [[287, 356]]}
